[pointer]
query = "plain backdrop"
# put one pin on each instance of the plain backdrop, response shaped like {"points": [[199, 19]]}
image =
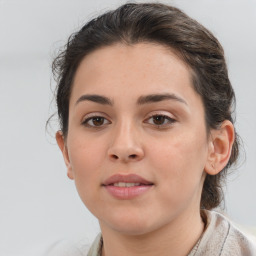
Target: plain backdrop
{"points": [[38, 203]]}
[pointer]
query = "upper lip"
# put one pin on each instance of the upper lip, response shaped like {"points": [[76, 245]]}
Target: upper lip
{"points": [[129, 178]]}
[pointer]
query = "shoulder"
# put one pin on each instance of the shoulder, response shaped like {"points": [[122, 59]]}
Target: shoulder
{"points": [[68, 248], [223, 238]]}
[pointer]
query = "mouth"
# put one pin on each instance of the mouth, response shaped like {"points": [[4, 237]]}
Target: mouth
{"points": [[126, 187], [120, 180], [126, 184]]}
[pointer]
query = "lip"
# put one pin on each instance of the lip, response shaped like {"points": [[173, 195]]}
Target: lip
{"points": [[129, 178], [127, 193]]}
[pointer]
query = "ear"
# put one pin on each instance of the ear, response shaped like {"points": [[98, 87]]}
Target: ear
{"points": [[62, 145], [220, 146]]}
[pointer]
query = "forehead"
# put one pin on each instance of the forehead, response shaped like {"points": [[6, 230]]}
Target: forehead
{"points": [[132, 69]]}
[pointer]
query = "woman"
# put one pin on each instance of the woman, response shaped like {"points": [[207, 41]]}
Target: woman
{"points": [[146, 131]]}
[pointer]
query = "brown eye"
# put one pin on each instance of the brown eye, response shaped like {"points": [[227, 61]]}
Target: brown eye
{"points": [[160, 121], [95, 121]]}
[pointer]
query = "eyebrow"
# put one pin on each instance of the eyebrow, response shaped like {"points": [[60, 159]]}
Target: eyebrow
{"points": [[95, 98], [151, 98], [159, 97]]}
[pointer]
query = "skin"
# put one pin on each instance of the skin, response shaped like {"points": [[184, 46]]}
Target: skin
{"points": [[174, 155]]}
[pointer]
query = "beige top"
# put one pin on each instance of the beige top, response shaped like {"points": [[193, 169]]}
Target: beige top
{"points": [[220, 238]]}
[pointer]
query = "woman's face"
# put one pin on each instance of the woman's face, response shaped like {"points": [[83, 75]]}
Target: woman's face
{"points": [[137, 142]]}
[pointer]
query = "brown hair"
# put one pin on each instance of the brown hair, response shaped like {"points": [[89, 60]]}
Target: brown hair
{"points": [[158, 23]]}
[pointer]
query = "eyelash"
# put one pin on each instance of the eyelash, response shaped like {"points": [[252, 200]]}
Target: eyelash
{"points": [[167, 121], [87, 120]]}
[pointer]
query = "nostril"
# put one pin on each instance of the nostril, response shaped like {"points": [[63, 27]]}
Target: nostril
{"points": [[133, 156], [115, 156]]}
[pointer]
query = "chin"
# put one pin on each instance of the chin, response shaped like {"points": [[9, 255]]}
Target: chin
{"points": [[131, 230], [130, 224]]}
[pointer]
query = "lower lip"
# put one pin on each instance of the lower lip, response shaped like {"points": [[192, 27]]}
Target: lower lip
{"points": [[125, 193]]}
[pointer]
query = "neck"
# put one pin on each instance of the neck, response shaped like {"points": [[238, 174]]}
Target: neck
{"points": [[177, 238]]}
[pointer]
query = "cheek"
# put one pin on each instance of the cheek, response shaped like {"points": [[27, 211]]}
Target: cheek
{"points": [[86, 158], [178, 169], [84, 152], [180, 157]]}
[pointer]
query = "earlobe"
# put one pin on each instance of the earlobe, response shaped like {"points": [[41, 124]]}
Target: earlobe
{"points": [[62, 146], [220, 147]]}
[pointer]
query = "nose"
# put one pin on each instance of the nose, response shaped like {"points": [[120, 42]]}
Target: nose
{"points": [[126, 145]]}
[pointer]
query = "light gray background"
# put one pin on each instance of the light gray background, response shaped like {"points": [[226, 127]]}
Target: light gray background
{"points": [[38, 203]]}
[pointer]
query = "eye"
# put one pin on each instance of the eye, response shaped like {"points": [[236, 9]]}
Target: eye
{"points": [[160, 120], [95, 121]]}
